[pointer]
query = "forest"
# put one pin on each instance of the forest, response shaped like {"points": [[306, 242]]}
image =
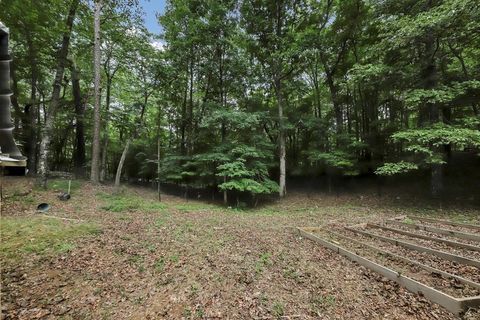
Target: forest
{"points": [[242, 96], [240, 159]]}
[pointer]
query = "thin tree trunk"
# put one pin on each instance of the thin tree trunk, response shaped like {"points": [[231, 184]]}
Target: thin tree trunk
{"points": [[32, 117], [120, 164], [281, 139], [14, 99], [158, 154], [184, 121], [79, 158], [190, 110], [223, 103], [57, 85], [158, 170], [103, 170], [278, 91], [95, 172], [125, 150], [430, 114], [336, 104]]}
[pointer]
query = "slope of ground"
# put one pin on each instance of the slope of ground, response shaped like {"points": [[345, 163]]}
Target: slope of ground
{"points": [[126, 256]]}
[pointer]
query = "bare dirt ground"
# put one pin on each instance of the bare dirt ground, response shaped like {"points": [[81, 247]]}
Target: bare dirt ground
{"points": [[192, 260]]}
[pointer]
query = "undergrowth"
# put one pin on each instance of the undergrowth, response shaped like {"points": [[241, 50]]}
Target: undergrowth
{"points": [[41, 236], [120, 202], [62, 185]]}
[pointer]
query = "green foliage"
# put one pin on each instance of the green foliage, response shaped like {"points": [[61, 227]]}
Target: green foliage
{"points": [[441, 95], [249, 185], [362, 85], [428, 141], [336, 159], [247, 171], [235, 169], [391, 168], [419, 140]]}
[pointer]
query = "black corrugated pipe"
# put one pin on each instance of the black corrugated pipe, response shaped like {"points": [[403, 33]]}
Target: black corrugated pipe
{"points": [[7, 143]]}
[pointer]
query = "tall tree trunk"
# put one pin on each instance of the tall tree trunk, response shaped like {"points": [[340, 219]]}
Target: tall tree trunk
{"points": [[30, 109], [431, 113], [79, 158], [57, 85], [337, 109], [190, 110], [32, 119], [120, 164], [158, 169], [14, 99], [281, 139], [223, 102], [127, 145], [95, 172], [278, 91], [183, 127], [225, 193], [103, 171]]}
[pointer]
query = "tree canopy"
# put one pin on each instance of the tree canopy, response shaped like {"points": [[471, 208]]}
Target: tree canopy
{"points": [[244, 93]]}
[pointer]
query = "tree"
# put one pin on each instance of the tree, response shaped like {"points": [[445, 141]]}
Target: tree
{"points": [[143, 58], [79, 157], [57, 85], [244, 92], [95, 168], [271, 28]]}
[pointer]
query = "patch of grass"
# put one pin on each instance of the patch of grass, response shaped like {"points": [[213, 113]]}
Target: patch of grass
{"points": [[125, 218], [62, 185], [291, 273], [26, 200], [322, 303], [263, 298], [199, 313], [174, 258], [151, 247], [159, 222], [258, 211], [194, 288], [187, 313], [64, 247], [183, 229], [262, 262], [408, 220], [42, 236], [121, 202], [135, 259], [196, 206], [159, 264], [277, 309]]}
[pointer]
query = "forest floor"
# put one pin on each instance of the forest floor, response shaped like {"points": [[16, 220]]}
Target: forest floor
{"points": [[127, 256]]}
